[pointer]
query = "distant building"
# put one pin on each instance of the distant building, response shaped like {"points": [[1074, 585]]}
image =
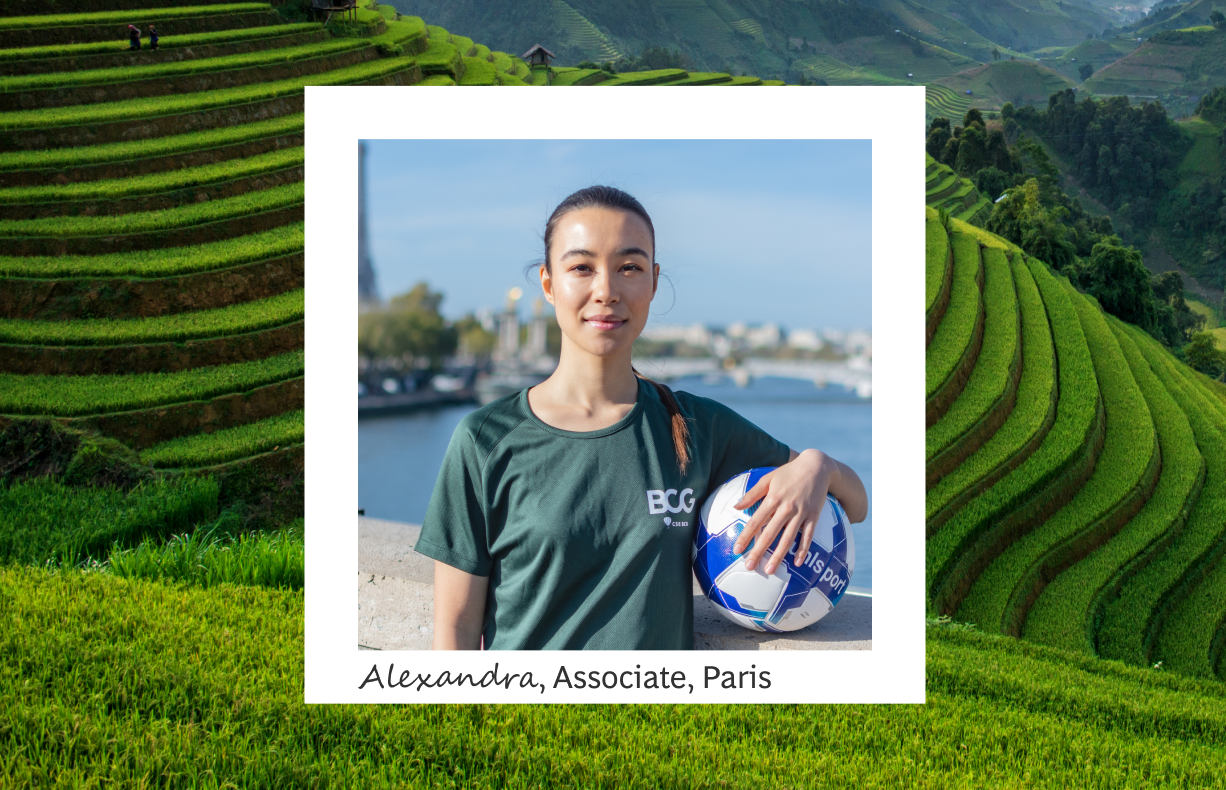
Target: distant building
{"points": [[804, 339], [368, 291], [694, 335], [765, 336], [538, 56]]}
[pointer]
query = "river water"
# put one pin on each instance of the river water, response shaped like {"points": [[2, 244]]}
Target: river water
{"points": [[399, 456]]}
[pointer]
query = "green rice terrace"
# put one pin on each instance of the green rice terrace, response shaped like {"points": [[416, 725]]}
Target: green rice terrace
{"points": [[1075, 468], [152, 450], [946, 191]]}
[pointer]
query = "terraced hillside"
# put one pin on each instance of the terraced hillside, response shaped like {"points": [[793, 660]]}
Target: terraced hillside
{"points": [[1185, 63], [946, 191], [1017, 81], [1075, 472], [151, 217]]}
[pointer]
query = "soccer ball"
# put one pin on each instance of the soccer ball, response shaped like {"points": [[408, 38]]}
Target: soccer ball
{"points": [[791, 597]]}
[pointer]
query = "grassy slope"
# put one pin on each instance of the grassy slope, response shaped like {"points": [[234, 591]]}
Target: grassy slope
{"points": [[1017, 81], [139, 702], [1183, 63]]}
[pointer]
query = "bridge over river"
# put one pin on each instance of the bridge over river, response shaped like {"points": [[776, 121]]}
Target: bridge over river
{"points": [[855, 374]]}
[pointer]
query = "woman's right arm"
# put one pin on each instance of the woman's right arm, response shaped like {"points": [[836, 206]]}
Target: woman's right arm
{"points": [[459, 608]]}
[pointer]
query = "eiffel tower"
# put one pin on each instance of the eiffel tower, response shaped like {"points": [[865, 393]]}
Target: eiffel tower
{"points": [[368, 292]]}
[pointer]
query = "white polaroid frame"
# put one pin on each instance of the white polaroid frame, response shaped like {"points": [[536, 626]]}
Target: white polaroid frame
{"points": [[336, 671]]}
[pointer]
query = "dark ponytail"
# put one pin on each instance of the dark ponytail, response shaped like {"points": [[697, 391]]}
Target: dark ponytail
{"points": [[680, 428], [613, 198]]}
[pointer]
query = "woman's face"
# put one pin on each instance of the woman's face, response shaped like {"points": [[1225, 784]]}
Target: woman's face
{"points": [[602, 279]]}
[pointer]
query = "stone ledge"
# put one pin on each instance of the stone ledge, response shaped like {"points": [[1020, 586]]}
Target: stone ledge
{"points": [[396, 604]]}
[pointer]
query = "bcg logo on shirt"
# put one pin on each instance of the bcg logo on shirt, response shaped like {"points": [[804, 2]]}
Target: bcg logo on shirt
{"points": [[662, 502]]}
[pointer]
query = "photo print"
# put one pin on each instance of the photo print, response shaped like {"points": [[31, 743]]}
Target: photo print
{"points": [[720, 284]]}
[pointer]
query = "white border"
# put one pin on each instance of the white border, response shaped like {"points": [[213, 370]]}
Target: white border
{"points": [[893, 117]]}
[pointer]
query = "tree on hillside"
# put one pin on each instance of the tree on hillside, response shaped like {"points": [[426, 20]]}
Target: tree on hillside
{"points": [[653, 58], [1217, 19], [1177, 318], [1115, 275], [1022, 218], [971, 147], [995, 53], [1125, 156], [938, 135], [1202, 353], [1085, 70], [1212, 106]]}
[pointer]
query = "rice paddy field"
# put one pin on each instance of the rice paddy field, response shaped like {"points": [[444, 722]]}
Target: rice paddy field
{"points": [[1091, 518], [152, 446]]}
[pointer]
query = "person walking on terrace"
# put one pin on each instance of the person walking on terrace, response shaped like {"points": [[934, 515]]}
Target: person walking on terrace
{"points": [[153, 37], [133, 37]]}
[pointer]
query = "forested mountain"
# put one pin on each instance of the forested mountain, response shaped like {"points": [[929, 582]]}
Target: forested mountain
{"points": [[840, 41]]}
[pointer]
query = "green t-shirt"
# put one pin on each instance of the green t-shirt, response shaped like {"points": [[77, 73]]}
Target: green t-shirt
{"points": [[586, 536]]}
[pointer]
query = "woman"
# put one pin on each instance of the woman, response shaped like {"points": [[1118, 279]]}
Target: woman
{"points": [[540, 523], [133, 37]]}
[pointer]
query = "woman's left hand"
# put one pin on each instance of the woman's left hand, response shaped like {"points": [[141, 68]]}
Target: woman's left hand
{"points": [[792, 500]]}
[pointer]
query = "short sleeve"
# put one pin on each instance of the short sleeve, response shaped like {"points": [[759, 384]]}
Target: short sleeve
{"points": [[454, 530], [737, 444]]}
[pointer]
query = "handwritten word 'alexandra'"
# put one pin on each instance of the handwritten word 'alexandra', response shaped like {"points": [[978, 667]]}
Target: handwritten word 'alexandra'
{"points": [[418, 681]]}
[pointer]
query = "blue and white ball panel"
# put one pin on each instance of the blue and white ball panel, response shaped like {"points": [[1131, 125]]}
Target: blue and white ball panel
{"points": [[791, 597]]}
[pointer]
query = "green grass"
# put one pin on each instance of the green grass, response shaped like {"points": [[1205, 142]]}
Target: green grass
{"points": [[170, 261], [175, 68], [936, 254], [70, 396], [572, 76], [120, 45], [164, 219], [990, 379], [479, 72], [953, 336], [1204, 159], [441, 58], [1130, 618], [125, 17], [1076, 413], [999, 600], [504, 62], [100, 686], [704, 78], [57, 158], [201, 558], [655, 77], [229, 444], [1064, 614], [42, 520], [132, 109], [1200, 308], [157, 182], [1034, 393], [232, 320]]}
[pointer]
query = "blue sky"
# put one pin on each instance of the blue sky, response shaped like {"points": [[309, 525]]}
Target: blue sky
{"points": [[746, 230]]}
